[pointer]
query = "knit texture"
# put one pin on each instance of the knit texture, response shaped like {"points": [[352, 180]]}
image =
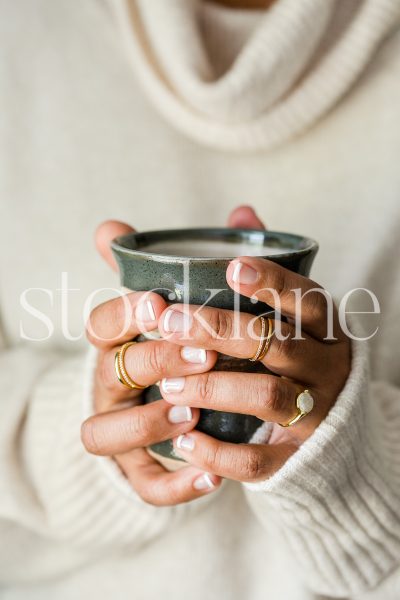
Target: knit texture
{"points": [[282, 81], [52, 485], [341, 490], [79, 143]]}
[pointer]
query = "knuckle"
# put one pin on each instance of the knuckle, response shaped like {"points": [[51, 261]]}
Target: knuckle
{"points": [[155, 358], [257, 393], [213, 457], [279, 347], [317, 306], [253, 466], [221, 325], [139, 426], [113, 315], [286, 347], [206, 387], [272, 394], [279, 282]]}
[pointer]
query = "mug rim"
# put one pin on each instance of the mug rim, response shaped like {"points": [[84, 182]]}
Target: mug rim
{"points": [[118, 244]]}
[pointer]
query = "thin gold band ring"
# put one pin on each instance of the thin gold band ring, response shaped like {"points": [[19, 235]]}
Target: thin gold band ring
{"points": [[120, 370], [265, 340]]}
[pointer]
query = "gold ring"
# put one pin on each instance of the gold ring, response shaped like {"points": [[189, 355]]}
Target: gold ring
{"points": [[120, 370], [265, 340], [304, 404]]}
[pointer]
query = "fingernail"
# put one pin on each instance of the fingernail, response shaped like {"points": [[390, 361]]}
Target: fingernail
{"points": [[204, 482], [173, 384], [145, 311], [244, 274], [177, 321], [179, 414], [185, 442], [194, 355]]}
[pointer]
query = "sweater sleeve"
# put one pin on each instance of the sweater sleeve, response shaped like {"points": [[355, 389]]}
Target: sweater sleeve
{"points": [[49, 484], [337, 499]]}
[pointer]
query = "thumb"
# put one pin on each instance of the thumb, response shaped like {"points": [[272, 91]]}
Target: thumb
{"points": [[246, 218], [106, 232]]}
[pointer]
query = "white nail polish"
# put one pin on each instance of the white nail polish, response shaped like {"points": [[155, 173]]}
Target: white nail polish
{"points": [[166, 320], [243, 273], [172, 384], [203, 483], [145, 311], [179, 414], [185, 442], [194, 355], [150, 308], [236, 272]]}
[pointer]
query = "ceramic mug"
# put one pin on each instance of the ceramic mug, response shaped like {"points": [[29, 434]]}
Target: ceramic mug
{"points": [[189, 266]]}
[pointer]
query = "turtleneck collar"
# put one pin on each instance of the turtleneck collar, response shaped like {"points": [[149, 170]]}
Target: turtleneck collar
{"points": [[248, 80]]}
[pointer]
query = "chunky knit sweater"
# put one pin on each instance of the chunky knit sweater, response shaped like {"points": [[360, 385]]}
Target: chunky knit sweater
{"points": [[167, 113]]}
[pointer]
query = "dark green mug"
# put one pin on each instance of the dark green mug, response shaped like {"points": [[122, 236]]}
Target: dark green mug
{"points": [[189, 266]]}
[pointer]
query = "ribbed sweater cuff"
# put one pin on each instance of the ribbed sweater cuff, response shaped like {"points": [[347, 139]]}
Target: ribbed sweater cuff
{"points": [[80, 494], [338, 497]]}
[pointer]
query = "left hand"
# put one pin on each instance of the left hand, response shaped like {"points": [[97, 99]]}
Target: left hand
{"points": [[312, 363]]}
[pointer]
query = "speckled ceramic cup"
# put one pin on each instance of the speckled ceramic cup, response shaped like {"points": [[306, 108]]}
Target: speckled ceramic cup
{"points": [[179, 265]]}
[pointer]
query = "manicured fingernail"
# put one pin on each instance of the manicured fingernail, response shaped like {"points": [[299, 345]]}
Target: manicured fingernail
{"points": [[179, 414], [204, 482], [244, 274], [173, 384], [185, 442], [194, 355], [177, 321], [145, 311]]}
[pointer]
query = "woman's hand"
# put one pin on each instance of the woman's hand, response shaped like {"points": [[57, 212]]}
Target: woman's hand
{"points": [[122, 427], [309, 363]]}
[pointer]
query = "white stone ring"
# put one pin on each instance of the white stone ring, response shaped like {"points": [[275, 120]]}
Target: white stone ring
{"points": [[304, 404]]}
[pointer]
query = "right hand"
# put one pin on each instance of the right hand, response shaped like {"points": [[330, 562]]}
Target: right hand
{"points": [[122, 427]]}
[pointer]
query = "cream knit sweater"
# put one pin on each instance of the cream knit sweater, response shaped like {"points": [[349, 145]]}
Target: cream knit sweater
{"points": [[168, 113]]}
